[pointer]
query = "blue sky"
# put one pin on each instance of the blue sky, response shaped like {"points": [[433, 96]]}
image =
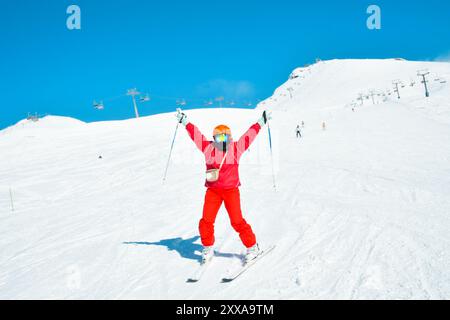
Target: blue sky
{"points": [[196, 50]]}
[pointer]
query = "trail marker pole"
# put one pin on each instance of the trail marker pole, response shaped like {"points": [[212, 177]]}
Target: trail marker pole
{"points": [[11, 198]]}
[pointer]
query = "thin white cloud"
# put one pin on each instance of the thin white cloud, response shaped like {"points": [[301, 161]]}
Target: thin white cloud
{"points": [[443, 57], [227, 88]]}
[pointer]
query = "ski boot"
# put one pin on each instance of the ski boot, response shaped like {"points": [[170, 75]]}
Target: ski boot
{"points": [[207, 254], [252, 253]]}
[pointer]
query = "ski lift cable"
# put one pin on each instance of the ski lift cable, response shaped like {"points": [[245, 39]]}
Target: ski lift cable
{"points": [[198, 100]]}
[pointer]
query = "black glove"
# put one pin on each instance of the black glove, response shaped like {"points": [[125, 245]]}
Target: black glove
{"points": [[266, 116]]}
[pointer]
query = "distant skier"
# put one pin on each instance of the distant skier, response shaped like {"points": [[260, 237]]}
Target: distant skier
{"points": [[298, 131], [222, 181], [324, 126], [303, 124]]}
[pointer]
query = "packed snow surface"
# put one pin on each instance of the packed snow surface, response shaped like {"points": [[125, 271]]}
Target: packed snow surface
{"points": [[361, 209]]}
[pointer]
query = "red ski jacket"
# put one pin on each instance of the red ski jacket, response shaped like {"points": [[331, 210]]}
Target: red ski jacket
{"points": [[229, 173]]}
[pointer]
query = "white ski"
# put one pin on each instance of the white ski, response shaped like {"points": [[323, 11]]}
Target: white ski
{"points": [[201, 269], [199, 272], [246, 266]]}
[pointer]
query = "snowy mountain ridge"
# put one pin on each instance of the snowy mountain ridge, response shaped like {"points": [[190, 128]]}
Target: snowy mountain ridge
{"points": [[360, 211]]}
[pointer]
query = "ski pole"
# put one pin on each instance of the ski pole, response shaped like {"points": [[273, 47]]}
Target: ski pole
{"points": [[271, 156], [170, 153]]}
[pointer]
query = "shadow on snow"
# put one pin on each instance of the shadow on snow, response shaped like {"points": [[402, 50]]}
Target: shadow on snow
{"points": [[186, 248]]}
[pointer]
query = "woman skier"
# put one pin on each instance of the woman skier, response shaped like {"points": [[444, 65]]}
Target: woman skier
{"points": [[222, 181]]}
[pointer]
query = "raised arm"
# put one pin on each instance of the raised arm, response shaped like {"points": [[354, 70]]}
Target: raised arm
{"points": [[249, 136], [199, 139]]}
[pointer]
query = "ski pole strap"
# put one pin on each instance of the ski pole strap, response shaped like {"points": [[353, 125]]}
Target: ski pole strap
{"points": [[182, 115]]}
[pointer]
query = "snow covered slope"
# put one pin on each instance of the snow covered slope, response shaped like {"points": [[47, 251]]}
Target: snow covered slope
{"points": [[361, 209]]}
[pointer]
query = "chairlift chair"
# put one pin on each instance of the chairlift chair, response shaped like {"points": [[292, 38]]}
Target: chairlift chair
{"points": [[181, 102], [99, 105], [144, 98]]}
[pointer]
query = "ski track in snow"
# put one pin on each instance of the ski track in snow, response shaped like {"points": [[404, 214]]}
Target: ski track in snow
{"points": [[360, 212]]}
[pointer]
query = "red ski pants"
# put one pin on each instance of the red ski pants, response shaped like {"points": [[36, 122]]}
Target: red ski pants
{"points": [[213, 202]]}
